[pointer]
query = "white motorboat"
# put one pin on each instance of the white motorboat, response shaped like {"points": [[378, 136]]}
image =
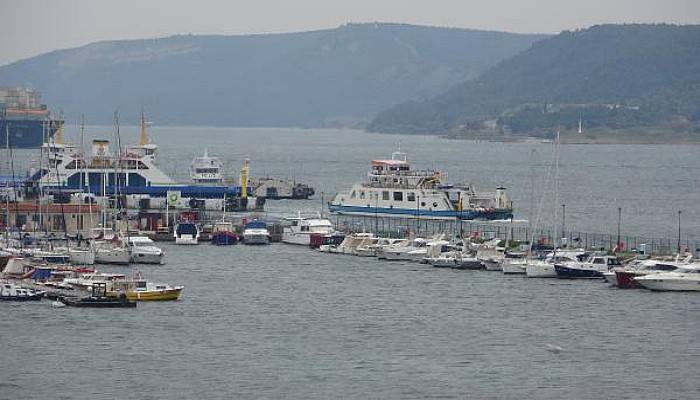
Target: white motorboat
{"points": [[144, 250], [685, 279], [592, 268], [467, 260], [12, 292], [416, 247], [112, 253], [301, 230], [256, 232], [513, 266], [545, 268], [186, 233]]}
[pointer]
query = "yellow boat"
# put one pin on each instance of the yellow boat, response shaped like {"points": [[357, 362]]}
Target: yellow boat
{"points": [[142, 290]]}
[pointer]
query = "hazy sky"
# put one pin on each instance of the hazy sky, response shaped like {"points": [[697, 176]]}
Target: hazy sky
{"points": [[30, 27]]}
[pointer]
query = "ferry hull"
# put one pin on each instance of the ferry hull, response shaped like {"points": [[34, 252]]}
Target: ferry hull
{"points": [[490, 215], [28, 133]]}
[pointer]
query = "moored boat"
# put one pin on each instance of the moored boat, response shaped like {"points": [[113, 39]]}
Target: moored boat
{"points": [[98, 299], [186, 233], [13, 292], [255, 232], [593, 268], [685, 279], [301, 230]]}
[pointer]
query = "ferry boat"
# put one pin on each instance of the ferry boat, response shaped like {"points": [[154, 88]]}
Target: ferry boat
{"points": [[206, 170], [393, 189], [132, 172], [24, 120]]}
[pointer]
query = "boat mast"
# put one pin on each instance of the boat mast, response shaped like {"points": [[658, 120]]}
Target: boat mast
{"points": [[556, 192]]}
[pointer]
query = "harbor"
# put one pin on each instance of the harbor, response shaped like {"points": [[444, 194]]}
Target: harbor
{"points": [[345, 281]]}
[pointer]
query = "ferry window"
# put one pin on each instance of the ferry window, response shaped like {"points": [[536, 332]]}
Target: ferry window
{"points": [[75, 180], [304, 228], [598, 261], [435, 204], [141, 165], [385, 195], [422, 204], [352, 195], [411, 196], [136, 180], [362, 194], [398, 196]]}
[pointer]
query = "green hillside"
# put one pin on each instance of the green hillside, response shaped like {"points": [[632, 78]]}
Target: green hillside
{"points": [[612, 76]]}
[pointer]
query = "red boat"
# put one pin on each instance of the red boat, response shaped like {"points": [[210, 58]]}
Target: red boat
{"points": [[625, 279]]}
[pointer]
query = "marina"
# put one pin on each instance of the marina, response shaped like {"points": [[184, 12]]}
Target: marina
{"points": [[437, 267]]}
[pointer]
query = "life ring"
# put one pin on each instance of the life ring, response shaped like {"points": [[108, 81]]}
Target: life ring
{"points": [[173, 197]]}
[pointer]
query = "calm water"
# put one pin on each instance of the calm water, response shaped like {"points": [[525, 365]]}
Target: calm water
{"points": [[284, 321]]}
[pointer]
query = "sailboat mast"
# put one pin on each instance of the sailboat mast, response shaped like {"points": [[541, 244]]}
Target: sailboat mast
{"points": [[555, 206]]}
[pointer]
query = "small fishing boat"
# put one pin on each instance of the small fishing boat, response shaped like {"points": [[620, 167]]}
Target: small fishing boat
{"points": [[186, 233], [99, 299], [223, 234], [12, 292], [143, 290]]}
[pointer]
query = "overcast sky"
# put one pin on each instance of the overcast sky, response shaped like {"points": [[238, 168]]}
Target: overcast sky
{"points": [[31, 27]]}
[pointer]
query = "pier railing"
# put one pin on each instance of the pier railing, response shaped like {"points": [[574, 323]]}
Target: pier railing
{"points": [[406, 227]]}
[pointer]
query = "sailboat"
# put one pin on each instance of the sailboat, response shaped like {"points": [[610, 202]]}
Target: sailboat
{"points": [[112, 249], [545, 268]]}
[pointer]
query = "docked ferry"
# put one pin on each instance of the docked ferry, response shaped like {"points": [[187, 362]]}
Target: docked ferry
{"points": [[133, 173], [393, 189]]}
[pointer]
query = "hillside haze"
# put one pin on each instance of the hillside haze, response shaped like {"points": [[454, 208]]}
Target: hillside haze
{"points": [[341, 76], [611, 76]]}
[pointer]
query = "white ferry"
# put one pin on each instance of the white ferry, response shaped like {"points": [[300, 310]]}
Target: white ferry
{"points": [[206, 170], [394, 190], [134, 173]]}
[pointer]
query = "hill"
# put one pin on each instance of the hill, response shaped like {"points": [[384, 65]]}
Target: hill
{"points": [[341, 76], [610, 76]]}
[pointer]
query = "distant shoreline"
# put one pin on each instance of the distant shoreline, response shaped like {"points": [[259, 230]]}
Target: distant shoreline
{"points": [[646, 137]]}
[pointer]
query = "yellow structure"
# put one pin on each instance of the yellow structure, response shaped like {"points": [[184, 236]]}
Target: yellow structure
{"points": [[243, 179]]}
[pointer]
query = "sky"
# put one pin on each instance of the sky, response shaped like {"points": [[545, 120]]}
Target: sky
{"points": [[32, 27]]}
